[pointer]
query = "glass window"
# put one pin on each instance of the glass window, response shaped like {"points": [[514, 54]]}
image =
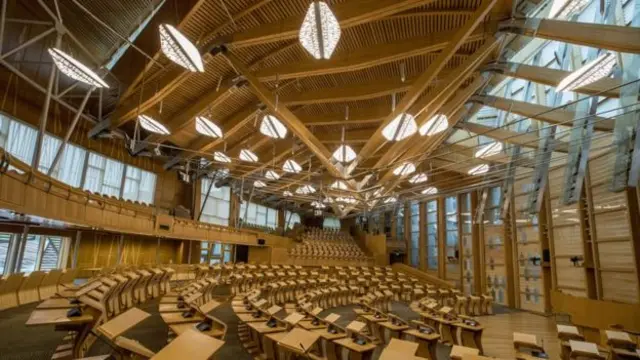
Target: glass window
{"points": [[432, 235], [331, 222], [216, 209], [139, 185], [400, 224], [18, 139], [259, 215], [104, 175], [51, 253], [5, 242], [291, 219], [415, 234], [30, 254], [492, 206]]}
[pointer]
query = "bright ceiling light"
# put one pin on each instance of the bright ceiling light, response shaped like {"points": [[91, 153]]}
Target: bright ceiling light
{"points": [[418, 178], [248, 155], [272, 175], [328, 200], [287, 193], [435, 125], [221, 157], [291, 166], [346, 199], [206, 127], [404, 169], [565, 8], [488, 150], [430, 191], [259, 184], [272, 127], [320, 31], [339, 185], [75, 69], [318, 205], [479, 170], [403, 126], [305, 190], [152, 125], [390, 200], [378, 192], [179, 49], [589, 73], [344, 154]]}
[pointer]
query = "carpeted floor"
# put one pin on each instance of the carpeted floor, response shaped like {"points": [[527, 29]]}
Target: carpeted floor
{"points": [[18, 342]]}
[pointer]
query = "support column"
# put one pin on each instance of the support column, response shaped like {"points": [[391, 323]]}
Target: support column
{"points": [[442, 238]]}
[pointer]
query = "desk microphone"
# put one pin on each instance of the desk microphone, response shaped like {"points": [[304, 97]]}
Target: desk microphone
{"points": [[187, 314], [74, 312], [203, 326]]}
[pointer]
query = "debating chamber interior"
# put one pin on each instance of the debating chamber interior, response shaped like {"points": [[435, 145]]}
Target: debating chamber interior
{"points": [[319, 179]]}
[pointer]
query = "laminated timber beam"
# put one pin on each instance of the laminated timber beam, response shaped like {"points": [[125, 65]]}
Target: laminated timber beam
{"points": [[285, 115], [460, 153], [540, 112], [422, 82], [435, 99], [529, 140], [349, 14], [367, 57], [606, 87], [601, 36]]}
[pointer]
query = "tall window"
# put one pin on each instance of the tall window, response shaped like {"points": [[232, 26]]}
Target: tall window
{"points": [[139, 185], [104, 175], [467, 244], [70, 164], [216, 210], [400, 223], [216, 253], [18, 139], [432, 235], [259, 215], [331, 222], [291, 218], [492, 206], [452, 250], [415, 234], [5, 242]]}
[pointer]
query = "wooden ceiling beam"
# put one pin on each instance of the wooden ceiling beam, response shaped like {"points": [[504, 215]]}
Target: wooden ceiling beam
{"points": [[454, 43], [607, 87], [602, 36], [293, 123], [461, 153], [366, 57], [349, 14], [427, 107], [540, 112], [529, 140], [357, 116]]}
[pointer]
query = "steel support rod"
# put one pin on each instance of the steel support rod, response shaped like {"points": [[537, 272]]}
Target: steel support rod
{"points": [[28, 43], [45, 111], [70, 130]]}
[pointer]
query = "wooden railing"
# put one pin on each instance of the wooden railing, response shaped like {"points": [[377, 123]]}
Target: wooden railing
{"points": [[422, 275]]}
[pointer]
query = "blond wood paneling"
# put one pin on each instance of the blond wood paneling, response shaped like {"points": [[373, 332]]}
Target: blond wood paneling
{"points": [[620, 287]]}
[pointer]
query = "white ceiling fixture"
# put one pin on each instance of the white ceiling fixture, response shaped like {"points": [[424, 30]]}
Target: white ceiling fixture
{"points": [[430, 191], [437, 124], [404, 169], [272, 175], [403, 126], [565, 8], [221, 157], [339, 185], [287, 193], [291, 166], [344, 153], [378, 192], [489, 150], [152, 125], [390, 200], [179, 49], [591, 72], [418, 178], [320, 31], [479, 170], [305, 190], [346, 199], [318, 205], [272, 127], [328, 200], [75, 69], [248, 155], [259, 184], [206, 127]]}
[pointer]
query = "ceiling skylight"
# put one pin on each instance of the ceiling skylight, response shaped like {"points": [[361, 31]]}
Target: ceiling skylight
{"points": [[403, 126], [179, 49], [248, 155], [489, 150], [479, 170], [404, 169], [339, 185], [430, 191], [272, 175], [291, 166], [435, 125], [320, 31], [272, 127], [418, 178], [221, 157], [305, 190], [75, 69], [152, 125], [206, 127], [591, 72], [344, 154]]}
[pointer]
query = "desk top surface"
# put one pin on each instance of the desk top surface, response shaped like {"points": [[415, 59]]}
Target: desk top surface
{"points": [[123, 322], [460, 351], [248, 318], [373, 318], [349, 344], [308, 325], [56, 317], [584, 347], [391, 326], [262, 328], [176, 318], [567, 329], [619, 336], [324, 333], [525, 339], [299, 340], [190, 345], [181, 328], [55, 303]]}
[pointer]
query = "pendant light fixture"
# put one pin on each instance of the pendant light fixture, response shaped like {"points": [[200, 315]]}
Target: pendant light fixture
{"points": [[206, 127], [272, 175], [339, 185], [430, 191], [591, 72], [479, 170], [488, 150], [400, 128], [328, 200], [344, 153], [248, 155], [320, 30], [259, 184], [152, 125], [75, 69], [287, 193], [404, 169], [272, 127], [435, 125], [179, 49], [305, 190]]}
